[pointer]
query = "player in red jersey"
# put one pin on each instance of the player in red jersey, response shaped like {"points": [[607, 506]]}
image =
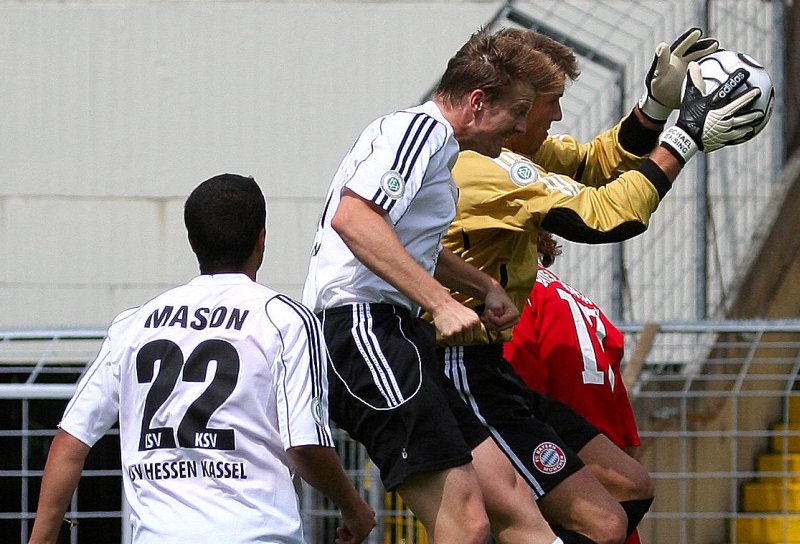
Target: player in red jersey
{"points": [[566, 348]]}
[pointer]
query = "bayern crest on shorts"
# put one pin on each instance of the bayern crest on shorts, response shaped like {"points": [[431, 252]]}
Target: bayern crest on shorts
{"points": [[549, 458]]}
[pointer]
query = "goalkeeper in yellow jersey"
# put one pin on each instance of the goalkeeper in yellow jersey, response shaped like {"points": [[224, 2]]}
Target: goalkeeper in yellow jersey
{"points": [[599, 192]]}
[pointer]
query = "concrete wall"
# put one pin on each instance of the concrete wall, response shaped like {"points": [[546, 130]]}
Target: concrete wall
{"points": [[112, 112]]}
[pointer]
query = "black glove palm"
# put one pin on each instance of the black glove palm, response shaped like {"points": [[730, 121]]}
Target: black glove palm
{"points": [[710, 122]]}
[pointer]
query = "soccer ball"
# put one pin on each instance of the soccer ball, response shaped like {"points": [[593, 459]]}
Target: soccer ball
{"points": [[716, 68]]}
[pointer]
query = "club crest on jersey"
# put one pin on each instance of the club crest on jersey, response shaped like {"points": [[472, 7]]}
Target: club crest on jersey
{"points": [[393, 184], [549, 458], [523, 173], [316, 411]]}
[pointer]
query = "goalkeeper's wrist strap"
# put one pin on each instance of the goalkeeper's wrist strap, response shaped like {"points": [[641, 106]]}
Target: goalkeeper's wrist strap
{"points": [[635, 138], [679, 143], [655, 111]]}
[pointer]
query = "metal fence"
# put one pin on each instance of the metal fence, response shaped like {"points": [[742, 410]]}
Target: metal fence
{"points": [[716, 402], [38, 372], [719, 411]]}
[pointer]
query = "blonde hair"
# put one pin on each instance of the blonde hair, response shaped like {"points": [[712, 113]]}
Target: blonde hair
{"points": [[494, 63], [561, 55]]}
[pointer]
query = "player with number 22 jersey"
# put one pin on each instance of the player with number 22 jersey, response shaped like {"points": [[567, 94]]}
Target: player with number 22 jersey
{"points": [[214, 374]]}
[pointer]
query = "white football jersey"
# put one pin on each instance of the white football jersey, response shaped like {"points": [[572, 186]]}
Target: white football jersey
{"points": [[401, 162], [211, 382]]}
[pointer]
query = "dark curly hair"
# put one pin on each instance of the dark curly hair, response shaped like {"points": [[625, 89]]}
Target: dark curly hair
{"points": [[548, 248]]}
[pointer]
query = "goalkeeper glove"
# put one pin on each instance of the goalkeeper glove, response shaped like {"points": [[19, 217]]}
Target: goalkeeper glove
{"points": [[663, 81], [709, 122]]}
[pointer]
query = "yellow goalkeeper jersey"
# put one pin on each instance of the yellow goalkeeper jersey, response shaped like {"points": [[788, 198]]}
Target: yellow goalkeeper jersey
{"points": [[504, 201]]}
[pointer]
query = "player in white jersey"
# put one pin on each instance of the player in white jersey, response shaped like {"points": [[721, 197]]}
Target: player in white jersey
{"points": [[220, 390], [378, 262], [401, 165]]}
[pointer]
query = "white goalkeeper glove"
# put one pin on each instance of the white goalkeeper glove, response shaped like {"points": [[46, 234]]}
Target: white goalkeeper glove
{"points": [[663, 81], [709, 122]]}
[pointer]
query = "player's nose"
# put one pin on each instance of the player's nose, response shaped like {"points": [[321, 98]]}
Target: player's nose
{"points": [[558, 114]]}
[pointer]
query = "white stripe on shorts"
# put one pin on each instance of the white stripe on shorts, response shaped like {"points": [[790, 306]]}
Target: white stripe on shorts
{"points": [[455, 369], [370, 350]]}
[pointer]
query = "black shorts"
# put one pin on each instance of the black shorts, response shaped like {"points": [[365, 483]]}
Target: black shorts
{"points": [[539, 435], [386, 391]]}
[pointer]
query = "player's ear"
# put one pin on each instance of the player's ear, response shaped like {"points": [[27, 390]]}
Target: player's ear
{"points": [[259, 249], [476, 100], [260, 244], [262, 238]]}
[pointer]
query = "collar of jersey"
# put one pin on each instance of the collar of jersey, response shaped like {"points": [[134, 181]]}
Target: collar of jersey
{"points": [[431, 108], [205, 279]]}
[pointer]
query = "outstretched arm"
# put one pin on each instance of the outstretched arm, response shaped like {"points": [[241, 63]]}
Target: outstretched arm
{"points": [[320, 467], [61, 475]]}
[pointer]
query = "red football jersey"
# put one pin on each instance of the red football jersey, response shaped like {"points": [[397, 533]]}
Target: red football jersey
{"points": [[565, 347]]}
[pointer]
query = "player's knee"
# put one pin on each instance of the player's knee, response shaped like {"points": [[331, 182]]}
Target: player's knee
{"points": [[468, 527], [471, 524], [483, 531], [638, 485], [641, 486], [646, 486], [612, 529], [477, 530]]}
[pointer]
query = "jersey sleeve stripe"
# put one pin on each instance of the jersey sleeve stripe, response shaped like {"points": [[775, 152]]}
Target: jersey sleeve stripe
{"points": [[314, 334], [317, 365], [411, 145], [402, 147], [416, 146], [557, 182], [414, 138], [382, 199]]}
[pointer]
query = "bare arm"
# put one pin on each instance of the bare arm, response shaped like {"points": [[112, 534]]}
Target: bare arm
{"points": [[663, 158], [667, 162], [460, 276], [363, 228], [61, 475], [320, 467]]}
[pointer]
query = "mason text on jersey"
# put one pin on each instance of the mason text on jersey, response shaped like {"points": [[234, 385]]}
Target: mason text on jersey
{"points": [[199, 319]]}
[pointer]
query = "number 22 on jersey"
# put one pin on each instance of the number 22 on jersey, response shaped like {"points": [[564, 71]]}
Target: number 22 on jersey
{"points": [[193, 431]]}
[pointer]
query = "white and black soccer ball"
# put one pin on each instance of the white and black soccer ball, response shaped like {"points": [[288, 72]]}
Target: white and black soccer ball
{"points": [[716, 68]]}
